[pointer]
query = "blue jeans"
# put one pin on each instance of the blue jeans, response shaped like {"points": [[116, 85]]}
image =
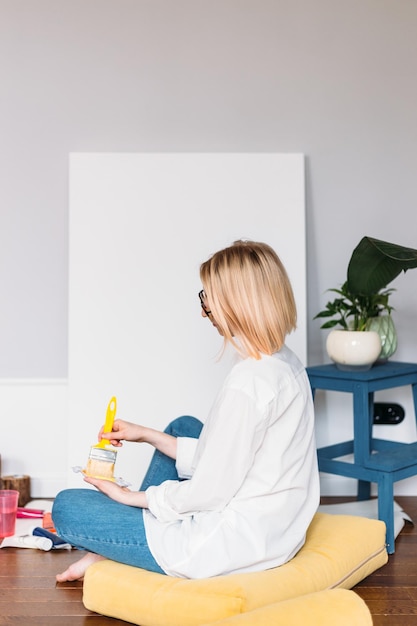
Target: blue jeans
{"points": [[89, 520]]}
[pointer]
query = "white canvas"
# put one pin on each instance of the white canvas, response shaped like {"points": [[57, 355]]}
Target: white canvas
{"points": [[140, 225]]}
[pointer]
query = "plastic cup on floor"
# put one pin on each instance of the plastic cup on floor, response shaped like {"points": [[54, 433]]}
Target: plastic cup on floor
{"points": [[8, 510]]}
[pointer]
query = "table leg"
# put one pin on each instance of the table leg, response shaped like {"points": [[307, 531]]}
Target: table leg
{"points": [[414, 390], [362, 423], [364, 490], [386, 508]]}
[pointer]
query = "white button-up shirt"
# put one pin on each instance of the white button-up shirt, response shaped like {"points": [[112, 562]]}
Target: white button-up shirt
{"points": [[253, 483]]}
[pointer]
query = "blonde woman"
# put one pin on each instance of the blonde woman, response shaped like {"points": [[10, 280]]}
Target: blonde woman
{"points": [[238, 493]]}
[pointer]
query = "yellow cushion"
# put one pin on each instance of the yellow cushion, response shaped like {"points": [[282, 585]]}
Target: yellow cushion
{"points": [[340, 551], [323, 608]]}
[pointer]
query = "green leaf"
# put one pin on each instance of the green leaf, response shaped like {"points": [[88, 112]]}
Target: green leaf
{"points": [[375, 263], [333, 323], [324, 314]]}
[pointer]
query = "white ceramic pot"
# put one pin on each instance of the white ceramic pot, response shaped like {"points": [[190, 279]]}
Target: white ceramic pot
{"points": [[353, 349]]}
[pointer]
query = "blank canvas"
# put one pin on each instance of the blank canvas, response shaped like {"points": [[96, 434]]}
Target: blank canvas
{"points": [[140, 225]]}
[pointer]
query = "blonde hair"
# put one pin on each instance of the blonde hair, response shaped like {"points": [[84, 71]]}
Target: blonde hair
{"points": [[250, 297]]}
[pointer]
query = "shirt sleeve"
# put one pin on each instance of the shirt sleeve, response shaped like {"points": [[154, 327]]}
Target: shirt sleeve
{"points": [[186, 448], [225, 451]]}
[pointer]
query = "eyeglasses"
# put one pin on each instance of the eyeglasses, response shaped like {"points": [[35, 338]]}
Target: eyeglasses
{"points": [[203, 297]]}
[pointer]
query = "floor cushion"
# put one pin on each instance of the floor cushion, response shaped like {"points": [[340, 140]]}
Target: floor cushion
{"points": [[340, 550], [323, 608]]}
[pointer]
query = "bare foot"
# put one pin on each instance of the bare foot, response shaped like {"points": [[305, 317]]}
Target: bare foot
{"points": [[77, 570]]}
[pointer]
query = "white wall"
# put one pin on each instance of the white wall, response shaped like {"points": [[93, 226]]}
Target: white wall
{"points": [[334, 80]]}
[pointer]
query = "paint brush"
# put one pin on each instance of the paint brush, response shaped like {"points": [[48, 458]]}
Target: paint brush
{"points": [[102, 456]]}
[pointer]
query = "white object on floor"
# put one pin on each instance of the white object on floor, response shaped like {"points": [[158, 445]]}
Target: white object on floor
{"points": [[367, 508], [27, 541], [26, 526], [44, 505]]}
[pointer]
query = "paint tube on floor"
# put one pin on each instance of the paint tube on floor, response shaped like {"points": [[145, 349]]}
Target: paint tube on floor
{"points": [[27, 541], [57, 542]]}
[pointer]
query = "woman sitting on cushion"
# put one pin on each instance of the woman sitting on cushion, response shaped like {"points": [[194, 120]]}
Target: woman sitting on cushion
{"points": [[238, 493]]}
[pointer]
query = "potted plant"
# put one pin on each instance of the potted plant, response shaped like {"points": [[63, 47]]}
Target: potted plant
{"points": [[362, 302]]}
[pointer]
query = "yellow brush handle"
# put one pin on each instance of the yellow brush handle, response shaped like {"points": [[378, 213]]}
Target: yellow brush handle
{"points": [[108, 424]]}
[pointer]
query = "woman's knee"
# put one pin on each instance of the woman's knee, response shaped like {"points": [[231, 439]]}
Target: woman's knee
{"points": [[69, 502], [185, 426], [64, 499]]}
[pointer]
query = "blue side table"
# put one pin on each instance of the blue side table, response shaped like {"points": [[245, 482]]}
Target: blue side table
{"points": [[374, 460]]}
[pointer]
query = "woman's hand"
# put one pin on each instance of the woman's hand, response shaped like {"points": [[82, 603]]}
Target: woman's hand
{"points": [[135, 432], [117, 493], [123, 430]]}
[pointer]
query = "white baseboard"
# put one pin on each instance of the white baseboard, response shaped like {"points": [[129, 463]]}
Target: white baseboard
{"points": [[34, 438], [47, 486]]}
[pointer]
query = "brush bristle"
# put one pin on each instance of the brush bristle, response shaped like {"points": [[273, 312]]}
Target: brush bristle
{"points": [[100, 463]]}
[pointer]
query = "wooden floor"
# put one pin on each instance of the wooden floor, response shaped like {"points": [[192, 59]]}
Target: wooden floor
{"points": [[391, 591], [29, 595]]}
